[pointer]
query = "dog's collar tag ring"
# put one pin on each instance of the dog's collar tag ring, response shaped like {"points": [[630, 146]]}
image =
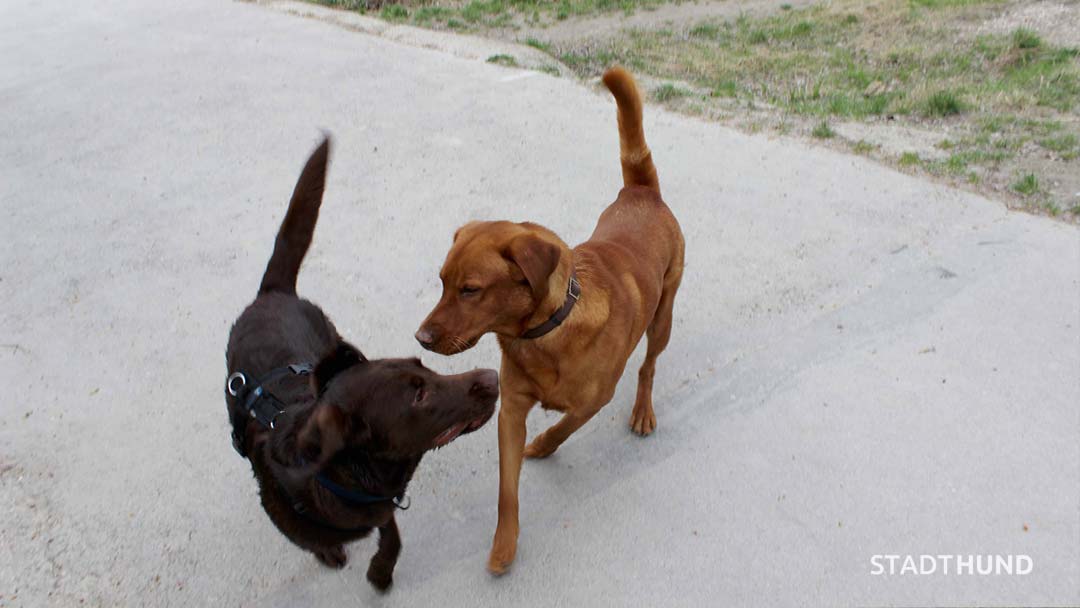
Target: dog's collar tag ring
{"points": [[403, 503]]}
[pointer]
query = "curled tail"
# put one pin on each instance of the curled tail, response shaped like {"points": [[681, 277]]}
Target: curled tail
{"points": [[637, 164], [294, 236]]}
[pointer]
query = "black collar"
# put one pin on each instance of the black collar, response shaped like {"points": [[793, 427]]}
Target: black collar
{"points": [[573, 292], [358, 498]]}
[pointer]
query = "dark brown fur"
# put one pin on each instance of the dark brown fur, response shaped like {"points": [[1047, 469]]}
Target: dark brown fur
{"points": [[505, 278], [363, 424]]}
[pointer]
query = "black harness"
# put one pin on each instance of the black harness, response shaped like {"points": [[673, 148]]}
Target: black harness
{"points": [[257, 402], [264, 407]]}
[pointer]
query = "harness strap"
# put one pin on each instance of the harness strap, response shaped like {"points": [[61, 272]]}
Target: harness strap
{"points": [[257, 402]]}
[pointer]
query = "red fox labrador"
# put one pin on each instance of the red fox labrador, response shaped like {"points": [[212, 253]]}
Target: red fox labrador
{"points": [[566, 319]]}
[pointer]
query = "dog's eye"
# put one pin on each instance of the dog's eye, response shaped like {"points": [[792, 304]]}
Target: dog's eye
{"points": [[421, 392], [469, 290]]}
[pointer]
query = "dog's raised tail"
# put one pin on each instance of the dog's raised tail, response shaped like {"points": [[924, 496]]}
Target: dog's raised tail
{"points": [[294, 236], [637, 164]]}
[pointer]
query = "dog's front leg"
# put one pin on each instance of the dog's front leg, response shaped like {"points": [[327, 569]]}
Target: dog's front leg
{"points": [[381, 569], [515, 408]]}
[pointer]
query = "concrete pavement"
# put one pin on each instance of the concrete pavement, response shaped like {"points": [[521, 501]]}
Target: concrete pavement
{"points": [[862, 363]]}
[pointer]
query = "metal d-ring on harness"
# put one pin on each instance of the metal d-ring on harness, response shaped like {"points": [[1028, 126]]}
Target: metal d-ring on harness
{"points": [[265, 407]]}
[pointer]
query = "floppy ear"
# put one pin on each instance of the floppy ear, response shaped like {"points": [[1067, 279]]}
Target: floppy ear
{"points": [[326, 433], [536, 258], [343, 357]]}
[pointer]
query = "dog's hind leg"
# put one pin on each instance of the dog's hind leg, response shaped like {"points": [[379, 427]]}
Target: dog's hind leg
{"points": [[545, 444], [643, 419], [381, 570]]}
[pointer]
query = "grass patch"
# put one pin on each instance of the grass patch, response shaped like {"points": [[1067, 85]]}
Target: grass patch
{"points": [[349, 5], [726, 88], [668, 92], [428, 15], [942, 104], [394, 12], [537, 44], [1023, 38], [909, 159], [864, 147], [704, 30], [945, 4], [482, 14], [823, 131], [1027, 185], [1066, 145], [501, 59], [848, 60]]}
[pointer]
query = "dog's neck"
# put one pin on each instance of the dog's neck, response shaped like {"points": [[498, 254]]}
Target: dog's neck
{"points": [[375, 475], [556, 295], [360, 470]]}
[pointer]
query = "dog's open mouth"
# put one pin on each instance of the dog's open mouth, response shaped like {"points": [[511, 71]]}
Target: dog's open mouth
{"points": [[459, 429]]}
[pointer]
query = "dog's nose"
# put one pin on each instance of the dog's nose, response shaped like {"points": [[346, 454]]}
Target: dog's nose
{"points": [[485, 383], [425, 337]]}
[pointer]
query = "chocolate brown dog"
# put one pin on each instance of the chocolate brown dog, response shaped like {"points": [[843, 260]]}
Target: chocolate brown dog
{"points": [[566, 319], [334, 438]]}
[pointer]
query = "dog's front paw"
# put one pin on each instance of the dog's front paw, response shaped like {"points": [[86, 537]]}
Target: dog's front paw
{"points": [[380, 575], [332, 557], [643, 421], [502, 555]]}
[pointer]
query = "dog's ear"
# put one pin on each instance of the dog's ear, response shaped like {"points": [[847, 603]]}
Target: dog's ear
{"points": [[326, 432], [343, 357], [536, 258]]}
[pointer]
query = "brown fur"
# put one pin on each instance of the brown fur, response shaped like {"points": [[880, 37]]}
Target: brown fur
{"points": [[505, 278]]}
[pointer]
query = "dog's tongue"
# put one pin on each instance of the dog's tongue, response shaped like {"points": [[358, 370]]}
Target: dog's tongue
{"points": [[449, 434]]}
